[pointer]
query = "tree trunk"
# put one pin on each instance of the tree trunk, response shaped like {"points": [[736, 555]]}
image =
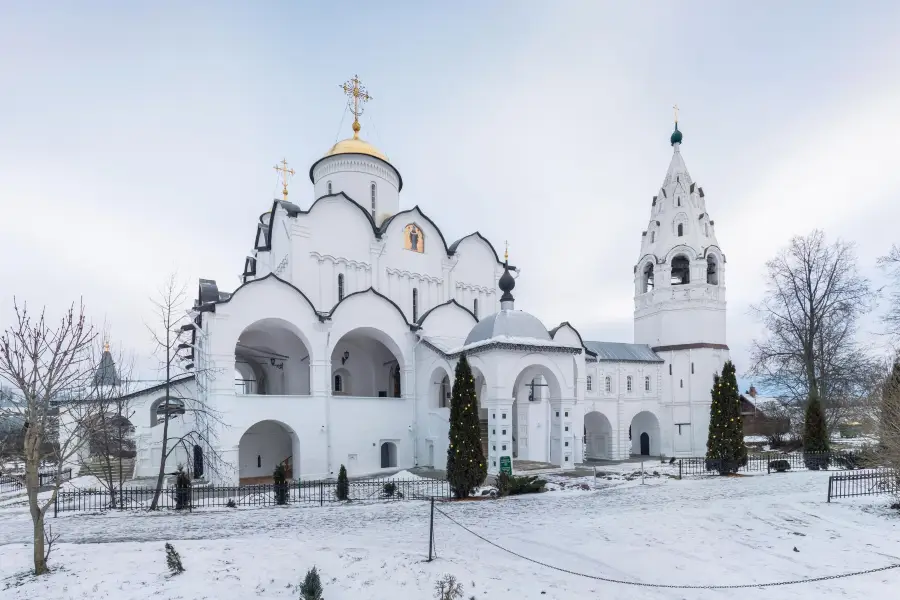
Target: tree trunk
{"points": [[165, 434], [32, 484]]}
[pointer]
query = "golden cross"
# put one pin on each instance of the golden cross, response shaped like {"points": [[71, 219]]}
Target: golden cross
{"points": [[676, 113], [106, 346], [284, 176], [357, 95], [506, 252]]}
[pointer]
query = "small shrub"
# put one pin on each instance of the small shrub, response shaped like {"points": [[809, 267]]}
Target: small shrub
{"points": [[512, 485], [448, 588], [281, 486], [231, 503], [816, 460], [389, 489], [343, 485], [779, 465], [173, 560], [311, 588], [182, 489]]}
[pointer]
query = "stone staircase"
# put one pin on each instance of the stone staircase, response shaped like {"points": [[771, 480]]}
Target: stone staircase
{"points": [[97, 466]]}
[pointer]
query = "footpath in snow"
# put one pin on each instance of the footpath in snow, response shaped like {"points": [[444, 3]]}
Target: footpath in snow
{"points": [[712, 530]]}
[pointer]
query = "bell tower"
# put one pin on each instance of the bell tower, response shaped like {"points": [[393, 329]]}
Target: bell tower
{"points": [[679, 301]]}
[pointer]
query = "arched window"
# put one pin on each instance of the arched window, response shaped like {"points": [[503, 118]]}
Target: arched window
{"points": [[158, 409], [608, 384], [652, 236], [415, 304], [692, 368], [340, 287], [670, 368], [706, 229], [588, 383], [712, 270], [681, 270], [475, 307], [628, 385], [680, 229], [198, 461], [338, 383], [679, 200], [647, 383], [647, 284], [374, 191], [329, 188]]}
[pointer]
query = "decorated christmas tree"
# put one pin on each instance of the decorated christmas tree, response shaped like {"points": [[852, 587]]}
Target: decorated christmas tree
{"points": [[466, 466], [815, 435], [725, 449]]}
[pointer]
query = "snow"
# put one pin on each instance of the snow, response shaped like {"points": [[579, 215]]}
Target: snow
{"points": [[708, 530]]}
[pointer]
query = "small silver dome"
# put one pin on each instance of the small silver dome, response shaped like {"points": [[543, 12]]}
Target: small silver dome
{"points": [[509, 323]]}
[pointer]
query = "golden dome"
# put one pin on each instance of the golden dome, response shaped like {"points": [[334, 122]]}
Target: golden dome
{"points": [[356, 145]]}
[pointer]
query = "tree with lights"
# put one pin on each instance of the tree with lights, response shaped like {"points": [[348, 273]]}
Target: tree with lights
{"points": [[725, 449], [466, 466]]}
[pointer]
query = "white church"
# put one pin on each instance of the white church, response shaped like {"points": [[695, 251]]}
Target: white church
{"points": [[339, 347]]}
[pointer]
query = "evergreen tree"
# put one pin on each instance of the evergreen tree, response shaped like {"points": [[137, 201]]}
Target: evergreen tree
{"points": [[311, 588], [279, 478], [815, 435], [173, 560], [725, 449], [343, 485], [466, 466]]}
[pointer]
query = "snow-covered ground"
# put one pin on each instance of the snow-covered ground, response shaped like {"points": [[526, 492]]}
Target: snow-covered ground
{"points": [[709, 530]]}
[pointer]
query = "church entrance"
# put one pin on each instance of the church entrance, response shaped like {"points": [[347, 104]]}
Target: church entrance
{"points": [[597, 436], [645, 435], [263, 447]]}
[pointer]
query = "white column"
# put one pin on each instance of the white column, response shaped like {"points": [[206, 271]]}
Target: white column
{"points": [[562, 417], [500, 429]]}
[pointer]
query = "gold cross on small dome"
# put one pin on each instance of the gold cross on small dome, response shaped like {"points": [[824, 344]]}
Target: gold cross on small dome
{"points": [[357, 95], [284, 172]]}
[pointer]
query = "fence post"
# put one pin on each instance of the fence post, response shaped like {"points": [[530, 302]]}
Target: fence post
{"points": [[830, 479], [679, 470], [56, 504], [431, 532], [768, 466], [321, 493]]}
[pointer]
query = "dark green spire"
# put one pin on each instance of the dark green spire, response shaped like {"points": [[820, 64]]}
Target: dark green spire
{"points": [[676, 135]]}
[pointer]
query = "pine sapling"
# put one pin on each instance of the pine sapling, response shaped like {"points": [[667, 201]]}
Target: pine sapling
{"points": [[173, 560], [311, 588], [343, 485], [448, 588]]}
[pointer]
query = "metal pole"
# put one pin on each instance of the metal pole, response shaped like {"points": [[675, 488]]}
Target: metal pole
{"points": [[642, 472], [679, 470], [431, 533], [321, 493], [595, 478]]}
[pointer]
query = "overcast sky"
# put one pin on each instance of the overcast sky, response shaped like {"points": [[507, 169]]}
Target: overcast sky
{"points": [[139, 140]]}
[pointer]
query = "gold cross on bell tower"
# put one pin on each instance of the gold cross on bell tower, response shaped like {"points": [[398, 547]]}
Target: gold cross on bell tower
{"points": [[284, 171], [676, 113], [506, 253], [357, 95]]}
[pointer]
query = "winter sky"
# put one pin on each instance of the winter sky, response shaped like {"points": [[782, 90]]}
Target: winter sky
{"points": [[138, 139]]}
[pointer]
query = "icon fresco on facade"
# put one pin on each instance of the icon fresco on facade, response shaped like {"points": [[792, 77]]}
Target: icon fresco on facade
{"points": [[413, 238]]}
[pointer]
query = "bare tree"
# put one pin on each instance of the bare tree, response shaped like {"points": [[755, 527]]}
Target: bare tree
{"points": [[48, 366], [172, 328], [891, 264], [814, 298], [111, 430]]}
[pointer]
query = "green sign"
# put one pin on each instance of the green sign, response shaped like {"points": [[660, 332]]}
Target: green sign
{"points": [[506, 465]]}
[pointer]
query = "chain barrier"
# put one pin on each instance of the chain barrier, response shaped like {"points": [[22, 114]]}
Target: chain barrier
{"points": [[671, 585]]}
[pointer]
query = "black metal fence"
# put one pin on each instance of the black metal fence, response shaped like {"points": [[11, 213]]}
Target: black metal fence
{"points": [[16, 482], [773, 462], [305, 492], [864, 482]]}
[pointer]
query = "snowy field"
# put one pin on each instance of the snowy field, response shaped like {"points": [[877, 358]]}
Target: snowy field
{"points": [[753, 529]]}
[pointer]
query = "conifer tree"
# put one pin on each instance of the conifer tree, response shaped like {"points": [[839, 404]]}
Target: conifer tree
{"points": [[173, 560], [466, 466], [311, 588], [725, 449], [815, 435], [343, 485]]}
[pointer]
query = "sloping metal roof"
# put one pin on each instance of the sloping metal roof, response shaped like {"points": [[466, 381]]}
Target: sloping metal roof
{"points": [[619, 352]]}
